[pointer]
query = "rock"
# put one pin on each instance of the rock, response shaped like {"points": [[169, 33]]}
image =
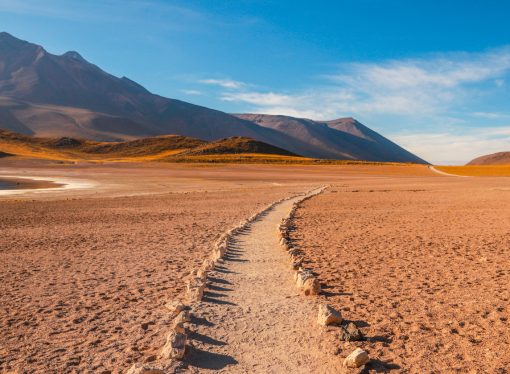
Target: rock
{"points": [[183, 317], [144, 369], [296, 263], [202, 275], [179, 327], [356, 359], [312, 286], [175, 307], [175, 346], [302, 276], [222, 248], [208, 264], [195, 291], [300, 279], [216, 255], [328, 315], [351, 333]]}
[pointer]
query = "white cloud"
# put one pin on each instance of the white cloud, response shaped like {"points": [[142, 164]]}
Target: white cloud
{"points": [[456, 147], [427, 97], [225, 83], [411, 88], [260, 99], [192, 92], [490, 115]]}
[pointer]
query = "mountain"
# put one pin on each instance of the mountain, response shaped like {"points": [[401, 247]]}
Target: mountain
{"points": [[500, 158], [343, 138], [51, 95]]}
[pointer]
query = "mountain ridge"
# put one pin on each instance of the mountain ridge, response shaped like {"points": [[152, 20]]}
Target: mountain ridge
{"points": [[51, 95], [342, 138]]}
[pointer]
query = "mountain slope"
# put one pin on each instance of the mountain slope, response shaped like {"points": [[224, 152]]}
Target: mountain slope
{"points": [[343, 138], [500, 158], [236, 145], [43, 94], [165, 147]]}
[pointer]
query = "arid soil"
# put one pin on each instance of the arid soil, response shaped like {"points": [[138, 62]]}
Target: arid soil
{"points": [[418, 260], [253, 319], [420, 264], [84, 280]]}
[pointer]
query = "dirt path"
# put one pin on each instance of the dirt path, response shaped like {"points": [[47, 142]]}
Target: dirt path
{"points": [[252, 318], [432, 168]]}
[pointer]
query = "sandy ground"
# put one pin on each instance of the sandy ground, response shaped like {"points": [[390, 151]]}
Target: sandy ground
{"points": [[419, 260], [421, 264], [84, 279], [253, 319]]}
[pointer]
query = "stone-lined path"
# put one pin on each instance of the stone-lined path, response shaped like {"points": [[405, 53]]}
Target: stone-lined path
{"points": [[253, 319]]}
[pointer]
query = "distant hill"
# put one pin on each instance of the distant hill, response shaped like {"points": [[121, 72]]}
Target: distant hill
{"points": [[163, 147], [343, 138], [236, 145], [500, 158], [49, 95]]}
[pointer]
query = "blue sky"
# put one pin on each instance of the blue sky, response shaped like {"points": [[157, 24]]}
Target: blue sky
{"points": [[430, 75]]}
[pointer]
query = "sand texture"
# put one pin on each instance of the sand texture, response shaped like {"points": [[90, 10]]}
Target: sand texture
{"points": [[253, 318], [422, 266], [84, 281], [418, 260]]}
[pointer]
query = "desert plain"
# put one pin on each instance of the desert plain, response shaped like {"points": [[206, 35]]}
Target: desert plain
{"points": [[417, 260]]}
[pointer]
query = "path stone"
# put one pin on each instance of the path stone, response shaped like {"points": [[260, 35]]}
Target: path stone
{"points": [[356, 359]]}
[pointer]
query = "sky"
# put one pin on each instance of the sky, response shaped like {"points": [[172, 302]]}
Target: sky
{"points": [[433, 76]]}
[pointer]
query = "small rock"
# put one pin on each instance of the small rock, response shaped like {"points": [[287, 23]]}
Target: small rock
{"points": [[296, 263], [183, 317], [144, 369], [195, 290], [175, 346], [302, 276], [328, 315], [312, 286], [179, 327], [294, 252], [208, 264], [356, 359], [351, 333], [175, 307]]}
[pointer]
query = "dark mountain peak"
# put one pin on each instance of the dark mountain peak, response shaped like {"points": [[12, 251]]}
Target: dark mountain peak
{"points": [[73, 55], [10, 43], [5, 36]]}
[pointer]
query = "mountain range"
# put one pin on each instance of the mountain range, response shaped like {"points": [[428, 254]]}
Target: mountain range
{"points": [[49, 95]]}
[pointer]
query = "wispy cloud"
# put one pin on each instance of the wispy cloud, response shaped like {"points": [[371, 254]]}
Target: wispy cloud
{"points": [[192, 92], [225, 83], [411, 87], [458, 146], [491, 115], [427, 97], [163, 15]]}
